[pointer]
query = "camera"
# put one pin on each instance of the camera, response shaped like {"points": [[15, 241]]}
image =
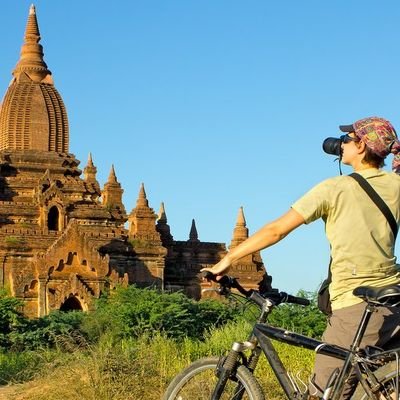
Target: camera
{"points": [[332, 146]]}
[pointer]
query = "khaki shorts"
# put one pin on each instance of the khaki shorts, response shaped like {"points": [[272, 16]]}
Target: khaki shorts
{"points": [[383, 331]]}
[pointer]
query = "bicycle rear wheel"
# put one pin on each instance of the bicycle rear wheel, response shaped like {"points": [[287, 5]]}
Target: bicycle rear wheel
{"points": [[387, 377], [198, 380]]}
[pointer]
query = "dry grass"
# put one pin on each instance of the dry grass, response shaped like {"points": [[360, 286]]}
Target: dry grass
{"points": [[124, 371], [135, 370]]}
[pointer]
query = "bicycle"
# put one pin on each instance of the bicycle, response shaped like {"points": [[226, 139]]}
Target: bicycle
{"points": [[231, 376]]}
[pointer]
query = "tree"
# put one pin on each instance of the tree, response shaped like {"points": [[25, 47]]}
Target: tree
{"points": [[308, 320]]}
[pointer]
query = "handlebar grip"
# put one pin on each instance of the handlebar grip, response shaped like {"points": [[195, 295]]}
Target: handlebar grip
{"points": [[209, 276], [227, 282], [297, 300]]}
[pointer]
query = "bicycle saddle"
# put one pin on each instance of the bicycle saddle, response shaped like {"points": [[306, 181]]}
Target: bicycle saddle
{"points": [[385, 295]]}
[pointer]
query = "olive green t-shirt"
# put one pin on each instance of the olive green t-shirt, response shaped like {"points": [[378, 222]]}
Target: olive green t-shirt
{"points": [[362, 242]]}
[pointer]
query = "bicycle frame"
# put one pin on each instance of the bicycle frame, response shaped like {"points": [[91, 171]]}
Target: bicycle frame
{"points": [[362, 362], [351, 357], [263, 333]]}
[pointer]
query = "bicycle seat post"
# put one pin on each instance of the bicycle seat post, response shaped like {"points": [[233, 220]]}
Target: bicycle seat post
{"points": [[369, 309]]}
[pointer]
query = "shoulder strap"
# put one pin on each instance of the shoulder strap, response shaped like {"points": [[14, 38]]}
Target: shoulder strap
{"points": [[378, 201]]}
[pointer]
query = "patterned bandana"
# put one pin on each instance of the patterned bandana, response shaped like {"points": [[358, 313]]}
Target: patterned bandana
{"points": [[380, 136]]}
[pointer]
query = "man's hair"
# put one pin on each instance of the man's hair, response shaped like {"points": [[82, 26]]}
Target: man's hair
{"points": [[373, 159]]}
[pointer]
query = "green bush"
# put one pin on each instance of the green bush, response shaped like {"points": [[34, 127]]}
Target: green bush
{"points": [[10, 317], [57, 328], [18, 333], [132, 312], [308, 321]]}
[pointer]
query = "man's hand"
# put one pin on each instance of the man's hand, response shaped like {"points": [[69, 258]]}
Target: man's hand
{"points": [[219, 268]]}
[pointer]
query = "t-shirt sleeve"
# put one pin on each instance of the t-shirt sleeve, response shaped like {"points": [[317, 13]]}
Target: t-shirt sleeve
{"points": [[315, 203]]}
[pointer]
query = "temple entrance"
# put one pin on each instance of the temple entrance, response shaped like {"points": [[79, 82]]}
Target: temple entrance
{"points": [[53, 219], [71, 304]]}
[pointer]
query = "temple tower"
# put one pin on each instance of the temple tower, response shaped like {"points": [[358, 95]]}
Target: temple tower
{"points": [[112, 197], [92, 185], [33, 115], [249, 269], [193, 235], [90, 172], [150, 254], [58, 243], [163, 228], [240, 232], [142, 219]]}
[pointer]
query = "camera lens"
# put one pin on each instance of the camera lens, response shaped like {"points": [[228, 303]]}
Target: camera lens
{"points": [[332, 146]]}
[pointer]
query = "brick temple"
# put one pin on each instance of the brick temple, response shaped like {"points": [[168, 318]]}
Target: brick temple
{"points": [[64, 239]]}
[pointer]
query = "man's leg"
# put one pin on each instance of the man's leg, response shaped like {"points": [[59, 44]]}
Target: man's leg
{"points": [[341, 328]]}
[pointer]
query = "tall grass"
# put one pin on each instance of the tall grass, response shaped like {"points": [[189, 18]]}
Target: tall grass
{"points": [[18, 367], [133, 369]]}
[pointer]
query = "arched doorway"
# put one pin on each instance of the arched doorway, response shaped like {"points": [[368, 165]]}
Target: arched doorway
{"points": [[53, 219], [71, 304]]}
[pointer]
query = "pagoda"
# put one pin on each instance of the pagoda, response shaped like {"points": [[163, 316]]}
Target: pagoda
{"points": [[63, 239]]}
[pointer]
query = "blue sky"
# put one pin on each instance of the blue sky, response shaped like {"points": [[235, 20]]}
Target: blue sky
{"points": [[217, 104]]}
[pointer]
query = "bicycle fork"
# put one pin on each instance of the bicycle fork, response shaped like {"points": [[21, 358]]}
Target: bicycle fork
{"points": [[228, 365]]}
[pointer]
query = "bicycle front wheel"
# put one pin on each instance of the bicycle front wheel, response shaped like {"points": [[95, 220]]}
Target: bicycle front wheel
{"points": [[387, 377], [198, 380]]}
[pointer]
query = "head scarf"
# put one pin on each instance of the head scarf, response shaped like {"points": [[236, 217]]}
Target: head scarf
{"points": [[380, 137]]}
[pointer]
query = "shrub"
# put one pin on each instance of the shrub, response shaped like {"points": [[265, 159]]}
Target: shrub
{"points": [[308, 321], [57, 328], [132, 312], [10, 317]]}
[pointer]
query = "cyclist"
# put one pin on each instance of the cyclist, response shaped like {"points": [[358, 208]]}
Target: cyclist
{"points": [[361, 240]]}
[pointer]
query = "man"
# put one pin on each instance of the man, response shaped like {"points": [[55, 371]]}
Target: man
{"points": [[362, 242]]}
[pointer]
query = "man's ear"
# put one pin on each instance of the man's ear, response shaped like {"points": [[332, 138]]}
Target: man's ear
{"points": [[360, 146]]}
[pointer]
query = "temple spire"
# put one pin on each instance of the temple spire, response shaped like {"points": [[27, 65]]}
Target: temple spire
{"points": [[241, 221], [31, 62], [193, 236], [246, 268], [240, 232], [90, 161], [112, 196], [112, 178], [33, 115], [90, 171], [163, 228], [142, 219], [162, 216], [142, 199]]}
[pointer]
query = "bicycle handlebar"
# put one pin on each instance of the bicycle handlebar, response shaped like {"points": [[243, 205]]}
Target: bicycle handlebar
{"points": [[227, 282], [296, 300]]}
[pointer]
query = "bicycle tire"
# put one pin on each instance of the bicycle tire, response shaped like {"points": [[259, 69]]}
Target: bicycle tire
{"points": [[386, 376], [197, 382]]}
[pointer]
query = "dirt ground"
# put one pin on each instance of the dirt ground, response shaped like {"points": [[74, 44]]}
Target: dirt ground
{"points": [[9, 392], [15, 392]]}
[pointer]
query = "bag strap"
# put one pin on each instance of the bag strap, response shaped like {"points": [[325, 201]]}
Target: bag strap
{"points": [[378, 201]]}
